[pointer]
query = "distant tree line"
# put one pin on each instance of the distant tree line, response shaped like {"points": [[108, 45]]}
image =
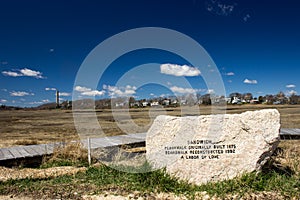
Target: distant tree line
{"points": [[171, 101]]}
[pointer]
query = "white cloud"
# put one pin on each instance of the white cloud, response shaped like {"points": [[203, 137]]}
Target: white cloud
{"points": [[13, 74], [23, 72], [181, 90], [64, 94], [230, 74], [291, 86], [88, 91], [164, 95], [247, 81], [4, 90], [151, 94], [82, 89], [32, 73], [3, 100], [51, 50], [115, 91], [50, 89], [179, 70], [93, 93], [35, 102], [45, 101], [20, 94], [210, 91], [292, 92]]}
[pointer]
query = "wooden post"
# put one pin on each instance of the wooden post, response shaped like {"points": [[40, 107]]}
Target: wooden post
{"points": [[89, 150], [57, 99], [46, 149]]}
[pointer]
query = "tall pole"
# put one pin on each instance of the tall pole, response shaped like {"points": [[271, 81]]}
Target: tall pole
{"points": [[57, 99]]}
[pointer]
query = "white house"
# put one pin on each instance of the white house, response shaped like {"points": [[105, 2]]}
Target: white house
{"points": [[155, 103], [235, 100], [145, 104]]}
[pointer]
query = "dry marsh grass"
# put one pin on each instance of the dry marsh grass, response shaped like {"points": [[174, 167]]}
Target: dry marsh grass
{"points": [[67, 183], [71, 154], [46, 126], [288, 156]]}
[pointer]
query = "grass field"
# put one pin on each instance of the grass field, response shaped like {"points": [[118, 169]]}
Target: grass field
{"points": [[278, 180], [45, 126]]}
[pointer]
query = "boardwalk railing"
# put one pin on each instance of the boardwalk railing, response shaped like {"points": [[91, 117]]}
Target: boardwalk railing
{"points": [[30, 151]]}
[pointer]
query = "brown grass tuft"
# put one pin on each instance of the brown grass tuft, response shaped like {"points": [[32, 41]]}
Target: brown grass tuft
{"points": [[289, 157], [26, 142], [70, 154]]}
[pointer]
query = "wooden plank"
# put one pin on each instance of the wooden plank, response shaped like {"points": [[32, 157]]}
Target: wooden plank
{"points": [[286, 131], [103, 142], [40, 149], [15, 152], [50, 148], [7, 154], [116, 140], [22, 151], [31, 151], [290, 134], [1, 155], [295, 131]]}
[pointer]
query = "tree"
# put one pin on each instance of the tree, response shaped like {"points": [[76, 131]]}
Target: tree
{"points": [[247, 96], [206, 100], [294, 99], [235, 94], [280, 97], [270, 98], [190, 99], [131, 101], [198, 95]]}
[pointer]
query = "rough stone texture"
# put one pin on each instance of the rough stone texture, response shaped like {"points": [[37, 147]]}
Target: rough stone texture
{"points": [[225, 146]]}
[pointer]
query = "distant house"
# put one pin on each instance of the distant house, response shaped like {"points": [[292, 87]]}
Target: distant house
{"points": [[145, 104], [235, 100], [174, 101], [154, 103], [228, 100], [120, 104], [277, 102], [254, 101], [166, 102], [135, 104], [244, 101], [183, 102]]}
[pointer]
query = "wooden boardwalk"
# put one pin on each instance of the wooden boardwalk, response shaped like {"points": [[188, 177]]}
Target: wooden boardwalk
{"points": [[30, 151], [290, 134]]}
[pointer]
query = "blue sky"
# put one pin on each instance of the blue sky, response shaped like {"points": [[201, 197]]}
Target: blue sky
{"points": [[254, 44]]}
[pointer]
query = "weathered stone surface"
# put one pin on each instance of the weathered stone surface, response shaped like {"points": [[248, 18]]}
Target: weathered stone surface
{"points": [[207, 148]]}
